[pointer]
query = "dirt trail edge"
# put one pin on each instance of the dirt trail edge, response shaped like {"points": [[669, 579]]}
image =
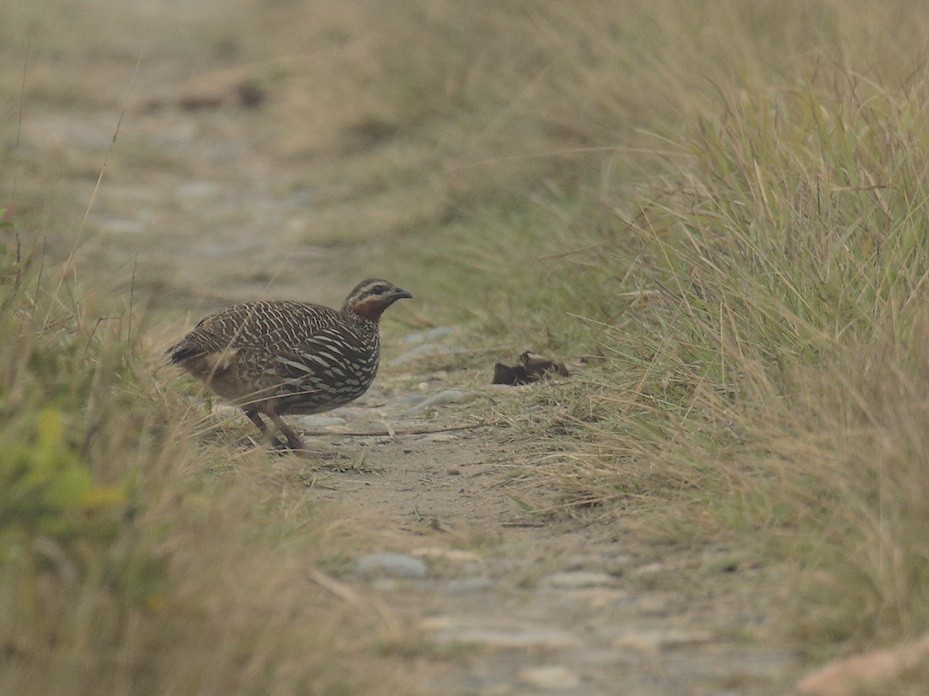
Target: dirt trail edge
{"points": [[494, 599]]}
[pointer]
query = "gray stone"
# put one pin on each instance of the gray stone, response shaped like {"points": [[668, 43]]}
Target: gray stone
{"points": [[408, 399], [420, 351], [320, 421], [438, 553], [614, 564], [449, 630], [428, 335], [444, 397], [652, 640], [550, 678], [121, 226], [198, 190], [578, 580], [648, 569], [388, 563], [546, 638], [469, 586]]}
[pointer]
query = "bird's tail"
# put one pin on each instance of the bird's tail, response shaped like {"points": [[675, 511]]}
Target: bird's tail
{"points": [[182, 351]]}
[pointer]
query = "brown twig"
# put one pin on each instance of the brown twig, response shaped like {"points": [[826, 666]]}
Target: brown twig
{"points": [[339, 589], [393, 433]]}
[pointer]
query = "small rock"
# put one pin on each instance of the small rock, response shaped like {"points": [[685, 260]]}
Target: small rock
{"points": [[453, 631], [452, 555], [550, 678], [197, 190], [408, 399], [578, 580], [388, 563], [427, 335], [420, 351], [600, 598], [121, 226], [320, 421], [648, 569], [614, 564], [652, 641], [654, 604], [469, 586], [446, 396]]}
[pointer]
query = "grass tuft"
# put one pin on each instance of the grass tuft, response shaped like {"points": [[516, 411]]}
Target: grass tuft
{"points": [[126, 565]]}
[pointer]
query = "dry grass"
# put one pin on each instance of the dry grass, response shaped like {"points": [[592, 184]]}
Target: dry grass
{"points": [[128, 565]]}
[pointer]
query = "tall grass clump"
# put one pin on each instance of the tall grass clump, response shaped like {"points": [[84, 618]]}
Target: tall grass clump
{"points": [[724, 202], [523, 124], [129, 562], [776, 376]]}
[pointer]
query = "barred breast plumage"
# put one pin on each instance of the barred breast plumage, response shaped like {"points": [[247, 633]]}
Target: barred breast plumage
{"points": [[282, 357]]}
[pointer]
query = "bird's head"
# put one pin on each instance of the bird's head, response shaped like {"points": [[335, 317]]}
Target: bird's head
{"points": [[371, 297]]}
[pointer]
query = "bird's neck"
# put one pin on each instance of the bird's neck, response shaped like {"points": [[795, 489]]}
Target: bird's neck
{"points": [[369, 310]]}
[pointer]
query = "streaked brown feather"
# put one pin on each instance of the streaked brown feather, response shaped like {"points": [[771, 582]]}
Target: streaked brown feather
{"points": [[277, 357]]}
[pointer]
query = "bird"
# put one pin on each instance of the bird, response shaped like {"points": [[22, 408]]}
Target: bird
{"points": [[281, 357]]}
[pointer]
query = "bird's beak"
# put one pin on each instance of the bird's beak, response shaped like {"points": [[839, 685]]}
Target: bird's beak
{"points": [[400, 294]]}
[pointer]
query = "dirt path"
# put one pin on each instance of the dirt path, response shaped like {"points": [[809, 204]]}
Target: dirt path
{"points": [[498, 601], [489, 599]]}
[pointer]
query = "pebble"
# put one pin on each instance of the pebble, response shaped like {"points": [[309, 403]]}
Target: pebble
{"points": [[320, 421], [652, 641], [648, 569], [427, 335], [121, 226], [228, 151], [550, 678], [578, 580], [452, 555], [453, 631], [198, 189], [600, 598], [469, 586], [408, 399], [397, 565], [654, 604], [444, 397], [614, 564], [420, 351]]}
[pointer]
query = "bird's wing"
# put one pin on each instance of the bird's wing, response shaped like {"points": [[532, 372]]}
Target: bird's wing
{"points": [[261, 326], [326, 354]]}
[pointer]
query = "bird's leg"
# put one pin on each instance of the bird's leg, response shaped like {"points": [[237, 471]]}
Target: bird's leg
{"points": [[293, 440], [254, 417]]}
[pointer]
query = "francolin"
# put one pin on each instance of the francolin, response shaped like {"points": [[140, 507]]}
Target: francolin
{"points": [[280, 357]]}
